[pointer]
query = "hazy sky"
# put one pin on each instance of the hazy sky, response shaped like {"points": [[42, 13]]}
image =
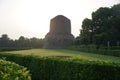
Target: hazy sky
{"points": [[31, 18]]}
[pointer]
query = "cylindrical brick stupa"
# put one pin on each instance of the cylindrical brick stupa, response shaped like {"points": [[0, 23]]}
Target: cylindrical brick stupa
{"points": [[59, 35]]}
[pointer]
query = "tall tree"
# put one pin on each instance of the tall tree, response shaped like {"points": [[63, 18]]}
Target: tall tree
{"points": [[104, 27], [4, 41], [86, 32]]}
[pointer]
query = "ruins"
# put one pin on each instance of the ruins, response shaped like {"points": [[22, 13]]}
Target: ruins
{"points": [[59, 35]]}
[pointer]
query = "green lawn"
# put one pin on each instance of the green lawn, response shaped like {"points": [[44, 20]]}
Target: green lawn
{"points": [[64, 52]]}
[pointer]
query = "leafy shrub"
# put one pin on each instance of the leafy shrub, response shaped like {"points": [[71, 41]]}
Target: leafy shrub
{"points": [[12, 71], [55, 68], [12, 49], [115, 47], [113, 51]]}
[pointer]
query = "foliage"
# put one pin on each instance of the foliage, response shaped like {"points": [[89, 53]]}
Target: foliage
{"points": [[112, 51], [12, 71], [68, 53], [104, 27], [55, 68], [22, 43], [86, 33]]}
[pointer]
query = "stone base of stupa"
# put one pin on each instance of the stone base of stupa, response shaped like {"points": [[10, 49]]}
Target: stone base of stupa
{"points": [[58, 41]]}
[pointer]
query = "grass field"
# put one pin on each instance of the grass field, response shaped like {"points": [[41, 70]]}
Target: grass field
{"points": [[66, 53]]}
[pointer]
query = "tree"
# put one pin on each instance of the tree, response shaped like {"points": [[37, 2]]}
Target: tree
{"points": [[4, 41], [100, 20], [21, 43], [86, 32], [36, 43], [103, 27]]}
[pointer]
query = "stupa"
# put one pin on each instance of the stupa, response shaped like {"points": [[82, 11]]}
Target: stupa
{"points": [[59, 35]]}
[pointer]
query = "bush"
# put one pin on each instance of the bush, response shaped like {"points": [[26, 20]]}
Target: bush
{"points": [[12, 71], [115, 47], [61, 68], [12, 49], [113, 51]]}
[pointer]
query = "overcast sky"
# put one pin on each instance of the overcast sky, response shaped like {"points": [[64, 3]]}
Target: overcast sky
{"points": [[31, 18]]}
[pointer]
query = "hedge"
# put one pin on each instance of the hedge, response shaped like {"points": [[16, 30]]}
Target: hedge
{"points": [[13, 71], [62, 68], [112, 51], [3, 49]]}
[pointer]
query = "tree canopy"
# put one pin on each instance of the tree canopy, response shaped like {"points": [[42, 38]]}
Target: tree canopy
{"points": [[21, 43], [104, 27]]}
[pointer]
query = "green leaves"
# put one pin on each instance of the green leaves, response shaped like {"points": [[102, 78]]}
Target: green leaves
{"points": [[103, 27], [12, 71], [55, 68]]}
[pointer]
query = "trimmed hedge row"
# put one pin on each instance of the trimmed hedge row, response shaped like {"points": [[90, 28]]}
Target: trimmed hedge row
{"points": [[13, 71], [56, 68], [3, 49], [113, 51]]}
